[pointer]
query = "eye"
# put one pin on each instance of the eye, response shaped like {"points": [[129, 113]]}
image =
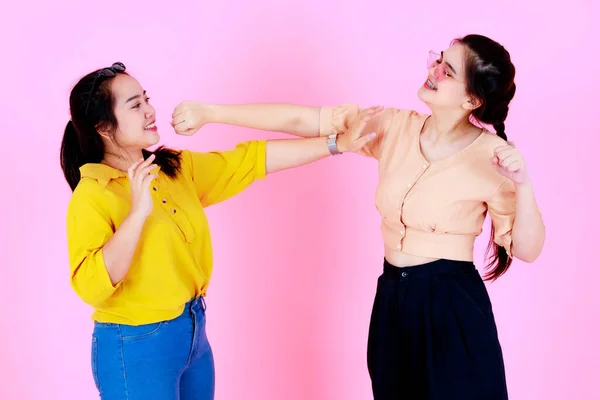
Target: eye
{"points": [[136, 106], [147, 99]]}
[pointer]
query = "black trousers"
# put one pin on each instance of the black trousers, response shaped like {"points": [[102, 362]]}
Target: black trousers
{"points": [[433, 335]]}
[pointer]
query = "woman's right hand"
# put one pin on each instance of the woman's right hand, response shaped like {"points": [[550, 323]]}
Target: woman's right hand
{"points": [[354, 139], [139, 181]]}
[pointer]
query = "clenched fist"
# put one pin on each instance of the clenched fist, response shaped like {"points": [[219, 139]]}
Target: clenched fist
{"points": [[189, 117]]}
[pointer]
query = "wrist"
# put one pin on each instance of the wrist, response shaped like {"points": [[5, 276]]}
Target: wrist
{"points": [[137, 217], [525, 186], [334, 145], [213, 113]]}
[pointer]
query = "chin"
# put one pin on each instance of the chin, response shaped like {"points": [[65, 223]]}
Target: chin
{"points": [[424, 95], [153, 139]]}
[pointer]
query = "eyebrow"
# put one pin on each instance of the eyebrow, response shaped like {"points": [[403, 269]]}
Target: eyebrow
{"points": [[448, 64], [134, 97]]}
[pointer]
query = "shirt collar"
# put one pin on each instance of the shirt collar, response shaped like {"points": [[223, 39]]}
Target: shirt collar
{"points": [[103, 173]]}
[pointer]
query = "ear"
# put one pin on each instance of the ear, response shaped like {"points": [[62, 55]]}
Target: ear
{"points": [[472, 104], [102, 131]]}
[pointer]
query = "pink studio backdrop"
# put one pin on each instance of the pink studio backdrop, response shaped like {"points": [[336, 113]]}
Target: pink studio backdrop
{"points": [[297, 256]]}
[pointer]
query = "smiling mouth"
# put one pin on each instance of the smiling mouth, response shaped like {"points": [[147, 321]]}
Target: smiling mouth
{"points": [[151, 126], [430, 85]]}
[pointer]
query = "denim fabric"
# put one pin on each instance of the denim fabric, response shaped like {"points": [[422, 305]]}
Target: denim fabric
{"points": [[168, 360]]}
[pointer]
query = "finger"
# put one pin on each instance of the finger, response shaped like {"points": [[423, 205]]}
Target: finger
{"points": [[133, 166], [357, 127], [148, 179], [506, 153], [187, 132], [363, 140], [179, 109], [146, 162], [182, 126], [509, 160], [501, 148], [141, 173], [178, 119], [513, 166], [371, 111]]}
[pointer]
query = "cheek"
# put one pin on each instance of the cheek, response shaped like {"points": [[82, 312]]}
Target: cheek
{"points": [[438, 74], [453, 91]]}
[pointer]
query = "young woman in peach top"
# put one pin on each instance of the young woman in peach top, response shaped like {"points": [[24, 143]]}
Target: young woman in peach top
{"points": [[432, 332]]}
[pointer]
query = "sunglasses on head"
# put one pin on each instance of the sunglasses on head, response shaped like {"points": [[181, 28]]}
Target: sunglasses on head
{"points": [[108, 72]]}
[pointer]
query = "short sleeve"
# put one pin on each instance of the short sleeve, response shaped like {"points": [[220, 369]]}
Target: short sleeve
{"points": [[220, 175], [502, 208], [337, 119], [88, 230]]}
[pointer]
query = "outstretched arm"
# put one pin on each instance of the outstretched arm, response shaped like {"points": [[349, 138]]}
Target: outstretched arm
{"points": [[291, 153], [303, 121]]}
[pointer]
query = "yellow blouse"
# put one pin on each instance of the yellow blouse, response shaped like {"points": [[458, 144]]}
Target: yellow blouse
{"points": [[173, 261]]}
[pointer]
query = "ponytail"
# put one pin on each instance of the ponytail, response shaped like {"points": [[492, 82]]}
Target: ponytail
{"points": [[499, 128], [71, 156], [499, 262]]}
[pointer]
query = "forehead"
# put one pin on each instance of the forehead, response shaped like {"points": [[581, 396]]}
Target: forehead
{"points": [[124, 87]]}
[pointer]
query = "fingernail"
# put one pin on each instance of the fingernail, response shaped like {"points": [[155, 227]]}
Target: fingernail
{"points": [[372, 135]]}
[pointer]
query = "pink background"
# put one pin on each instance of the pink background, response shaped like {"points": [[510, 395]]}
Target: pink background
{"points": [[297, 256]]}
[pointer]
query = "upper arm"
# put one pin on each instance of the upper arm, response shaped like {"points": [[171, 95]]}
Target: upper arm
{"points": [[219, 175], [502, 208], [88, 229]]}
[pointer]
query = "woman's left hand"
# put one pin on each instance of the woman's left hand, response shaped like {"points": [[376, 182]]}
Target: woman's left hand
{"points": [[509, 163]]}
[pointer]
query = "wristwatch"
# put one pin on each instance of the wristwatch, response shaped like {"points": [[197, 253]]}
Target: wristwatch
{"points": [[332, 144]]}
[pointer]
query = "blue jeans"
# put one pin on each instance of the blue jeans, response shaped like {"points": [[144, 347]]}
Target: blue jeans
{"points": [[169, 360]]}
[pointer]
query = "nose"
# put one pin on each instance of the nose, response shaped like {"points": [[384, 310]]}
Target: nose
{"points": [[439, 72], [149, 111]]}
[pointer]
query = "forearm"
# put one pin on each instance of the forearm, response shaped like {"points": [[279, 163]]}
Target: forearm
{"points": [[120, 249], [529, 232], [286, 118], [291, 153]]}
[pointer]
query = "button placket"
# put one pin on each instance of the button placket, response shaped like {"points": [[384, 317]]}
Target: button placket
{"points": [[410, 185]]}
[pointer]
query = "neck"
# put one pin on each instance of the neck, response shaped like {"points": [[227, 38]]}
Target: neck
{"points": [[122, 159], [447, 127]]}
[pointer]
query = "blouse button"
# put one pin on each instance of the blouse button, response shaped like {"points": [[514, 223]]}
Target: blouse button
{"points": [[174, 211], [164, 200], [155, 188], [410, 185], [424, 166]]}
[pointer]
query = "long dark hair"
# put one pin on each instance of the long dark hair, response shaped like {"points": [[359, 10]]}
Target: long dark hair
{"points": [[490, 76], [92, 107]]}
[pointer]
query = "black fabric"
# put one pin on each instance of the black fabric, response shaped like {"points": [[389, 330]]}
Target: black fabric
{"points": [[433, 335]]}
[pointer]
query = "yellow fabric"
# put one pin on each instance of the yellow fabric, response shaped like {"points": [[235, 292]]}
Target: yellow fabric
{"points": [[173, 261]]}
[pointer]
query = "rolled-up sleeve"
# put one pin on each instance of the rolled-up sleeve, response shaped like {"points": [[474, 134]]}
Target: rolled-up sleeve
{"points": [[88, 230], [220, 175], [502, 208]]}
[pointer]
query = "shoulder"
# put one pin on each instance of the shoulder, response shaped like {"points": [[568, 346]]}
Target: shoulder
{"points": [[400, 120], [488, 142], [89, 194]]}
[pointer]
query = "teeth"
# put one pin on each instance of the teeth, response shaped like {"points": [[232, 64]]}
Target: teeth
{"points": [[150, 126], [431, 85]]}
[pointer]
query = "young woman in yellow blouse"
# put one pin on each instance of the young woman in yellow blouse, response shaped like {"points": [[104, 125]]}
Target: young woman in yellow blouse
{"points": [[432, 332], [138, 238]]}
